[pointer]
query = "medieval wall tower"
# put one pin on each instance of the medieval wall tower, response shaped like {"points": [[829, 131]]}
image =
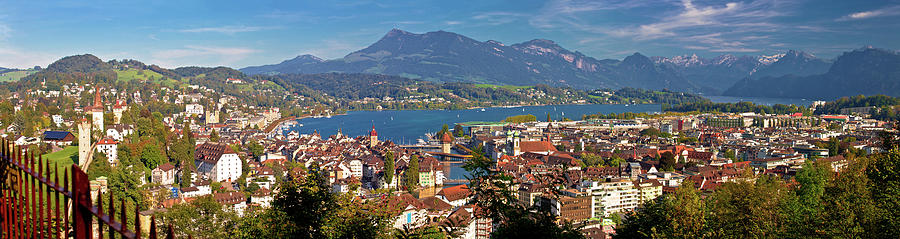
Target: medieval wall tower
{"points": [[97, 110], [84, 140]]}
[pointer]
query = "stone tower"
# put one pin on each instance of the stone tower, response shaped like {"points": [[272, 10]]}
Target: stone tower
{"points": [[97, 110], [118, 109], [373, 137], [446, 143], [84, 140], [512, 137]]}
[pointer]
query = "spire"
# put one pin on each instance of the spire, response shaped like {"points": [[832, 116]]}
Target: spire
{"points": [[373, 132], [97, 103]]}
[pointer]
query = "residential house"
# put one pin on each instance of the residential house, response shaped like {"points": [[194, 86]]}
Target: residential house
{"points": [[217, 162], [164, 174], [58, 138]]}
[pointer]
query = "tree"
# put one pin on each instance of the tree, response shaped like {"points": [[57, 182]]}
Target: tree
{"points": [[803, 206], [518, 119], [99, 167], [651, 132], [884, 175], [306, 208], [201, 218], [458, 130], [500, 203], [729, 154], [151, 155], [412, 174], [677, 215], [736, 210], [255, 148], [667, 161], [389, 167], [214, 136], [849, 210]]}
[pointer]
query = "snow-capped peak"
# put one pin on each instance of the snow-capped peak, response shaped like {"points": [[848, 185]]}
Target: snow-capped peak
{"points": [[767, 60], [683, 60]]}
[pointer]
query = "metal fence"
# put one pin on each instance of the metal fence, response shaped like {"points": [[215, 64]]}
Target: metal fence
{"points": [[37, 204]]}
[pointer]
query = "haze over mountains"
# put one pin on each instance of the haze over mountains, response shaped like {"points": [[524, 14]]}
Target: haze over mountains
{"points": [[447, 57]]}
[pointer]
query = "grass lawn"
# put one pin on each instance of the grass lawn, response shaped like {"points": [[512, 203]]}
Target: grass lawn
{"points": [[133, 74], [63, 158], [15, 75]]}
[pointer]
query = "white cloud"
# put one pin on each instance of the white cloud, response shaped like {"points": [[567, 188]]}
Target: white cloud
{"points": [[497, 18], [451, 23], [735, 26], [15, 58], [886, 11], [692, 16], [226, 29]]}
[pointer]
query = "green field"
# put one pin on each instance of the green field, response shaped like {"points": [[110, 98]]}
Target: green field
{"points": [[508, 87], [15, 75], [134, 74], [63, 158]]}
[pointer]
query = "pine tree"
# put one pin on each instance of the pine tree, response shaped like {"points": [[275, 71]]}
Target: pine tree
{"points": [[214, 136], [389, 167], [412, 173]]}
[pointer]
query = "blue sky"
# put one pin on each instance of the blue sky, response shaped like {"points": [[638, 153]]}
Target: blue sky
{"points": [[245, 33]]}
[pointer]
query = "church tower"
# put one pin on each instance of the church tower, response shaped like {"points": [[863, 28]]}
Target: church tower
{"points": [[84, 140], [512, 138], [373, 137]]}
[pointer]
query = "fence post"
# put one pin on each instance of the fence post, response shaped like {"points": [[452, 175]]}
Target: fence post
{"points": [[81, 194]]}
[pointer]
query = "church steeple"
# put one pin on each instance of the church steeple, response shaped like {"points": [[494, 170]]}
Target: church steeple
{"points": [[97, 102]]}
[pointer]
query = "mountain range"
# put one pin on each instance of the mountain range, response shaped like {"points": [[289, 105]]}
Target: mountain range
{"points": [[866, 71], [449, 57]]}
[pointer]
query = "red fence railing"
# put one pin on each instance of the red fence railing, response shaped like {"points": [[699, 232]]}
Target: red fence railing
{"points": [[34, 204]]}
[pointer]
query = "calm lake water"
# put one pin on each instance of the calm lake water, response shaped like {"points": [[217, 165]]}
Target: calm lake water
{"points": [[405, 126]]}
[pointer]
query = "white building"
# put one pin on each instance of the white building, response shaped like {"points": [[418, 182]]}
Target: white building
{"points": [[217, 162], [119, 132], [356, 168], [109, 147], [193, 109], [614, 195]]}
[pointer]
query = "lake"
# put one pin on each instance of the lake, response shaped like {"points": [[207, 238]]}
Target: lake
{"points": [[405, 126]]}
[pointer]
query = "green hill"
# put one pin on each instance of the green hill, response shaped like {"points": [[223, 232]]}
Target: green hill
{"points": [[15, 75]]}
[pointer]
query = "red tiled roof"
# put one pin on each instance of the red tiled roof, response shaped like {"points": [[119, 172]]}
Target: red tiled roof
{"points": [[455, 193], [536, 146], [166, 167], [446, 138], [211, 152], [229, 198], [434, 203], [107, 141]]}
